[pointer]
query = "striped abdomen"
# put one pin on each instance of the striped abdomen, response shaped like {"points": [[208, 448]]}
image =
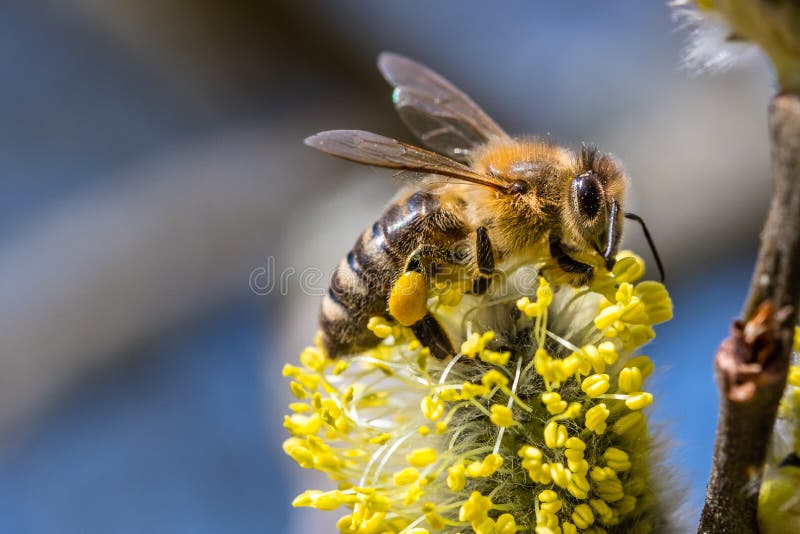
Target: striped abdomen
{"points": [[362, 281]]}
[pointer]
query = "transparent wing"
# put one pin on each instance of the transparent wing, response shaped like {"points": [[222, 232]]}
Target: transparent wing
{"points": [[445, 119], [374, 149]]}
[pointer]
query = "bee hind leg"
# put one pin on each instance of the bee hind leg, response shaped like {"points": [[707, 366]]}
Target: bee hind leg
{"points": [[408, 300], [431, 334], [484, 257], [581, 272]]}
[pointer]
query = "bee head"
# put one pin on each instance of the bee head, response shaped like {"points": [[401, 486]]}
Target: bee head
{"points": [[594, 208]]}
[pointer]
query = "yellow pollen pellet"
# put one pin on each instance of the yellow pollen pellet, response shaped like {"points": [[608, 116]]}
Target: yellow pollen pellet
{"points": [[582, 516], [637, 401], [421, 457], [456, 477], [408, 298], [595, 385], [501, 416], [405, 476], [432, 407]]}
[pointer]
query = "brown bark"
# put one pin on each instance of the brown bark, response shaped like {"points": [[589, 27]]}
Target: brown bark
{"points": [[752, 363]]}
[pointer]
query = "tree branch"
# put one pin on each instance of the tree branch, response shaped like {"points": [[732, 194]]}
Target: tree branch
{"points": [[752, 364]]}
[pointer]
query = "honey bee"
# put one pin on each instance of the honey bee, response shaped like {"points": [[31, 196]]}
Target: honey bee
{"points": [[484, 197]]}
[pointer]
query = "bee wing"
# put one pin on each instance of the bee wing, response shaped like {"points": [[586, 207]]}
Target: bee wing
{"points": [[445, 119], [374, 149]]}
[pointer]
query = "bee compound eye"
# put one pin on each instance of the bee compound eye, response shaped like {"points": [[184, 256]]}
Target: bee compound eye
{"points": [[587, 194]]}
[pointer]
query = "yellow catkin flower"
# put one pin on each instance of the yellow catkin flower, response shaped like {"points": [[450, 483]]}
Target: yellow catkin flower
{"points": [[432, 407], [421, 457], [456, 477], [501, 416], [546, 407], [596, 418], [595, 385]]}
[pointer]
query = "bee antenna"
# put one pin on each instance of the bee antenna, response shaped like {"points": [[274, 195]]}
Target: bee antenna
{"points": [[634, 217]]}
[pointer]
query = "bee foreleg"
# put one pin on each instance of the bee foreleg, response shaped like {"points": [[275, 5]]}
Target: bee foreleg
{"points": [[484, 257], [583, 272]]}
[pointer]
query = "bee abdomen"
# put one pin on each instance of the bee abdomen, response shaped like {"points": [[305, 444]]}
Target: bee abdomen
{"points": [[358, 290], [362, 281]]}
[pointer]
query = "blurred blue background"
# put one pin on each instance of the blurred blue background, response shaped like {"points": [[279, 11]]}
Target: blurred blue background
{"points": [[151, 160]]}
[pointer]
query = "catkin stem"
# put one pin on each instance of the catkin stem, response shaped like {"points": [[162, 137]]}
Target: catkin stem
{"points": [[753, 362]]}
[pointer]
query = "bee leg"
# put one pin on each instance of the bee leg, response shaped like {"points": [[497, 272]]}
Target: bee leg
{"points": [[424, 254], [408, 300], [581, 271], [408, 296], [431, 334], [484, 257]]}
